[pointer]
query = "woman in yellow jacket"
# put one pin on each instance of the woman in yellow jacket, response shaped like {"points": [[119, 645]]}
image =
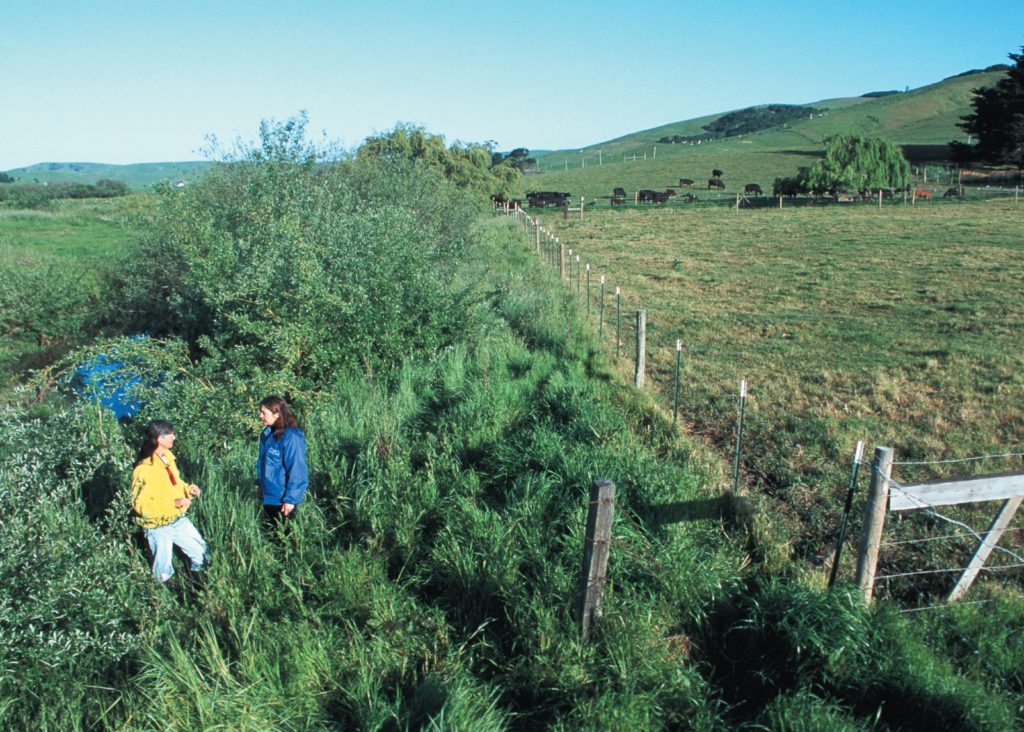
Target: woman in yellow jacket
{"points": [[160, 499]]}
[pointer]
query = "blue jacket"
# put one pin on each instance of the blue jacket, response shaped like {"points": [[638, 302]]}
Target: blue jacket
{"points": [[281, 471]]}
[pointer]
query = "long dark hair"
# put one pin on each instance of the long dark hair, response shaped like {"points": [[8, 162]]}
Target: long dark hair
{"points": [[156, 429], [285, 418]]}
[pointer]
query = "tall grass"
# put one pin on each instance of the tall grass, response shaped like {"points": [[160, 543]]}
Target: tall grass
{"points": [[429, 581]]}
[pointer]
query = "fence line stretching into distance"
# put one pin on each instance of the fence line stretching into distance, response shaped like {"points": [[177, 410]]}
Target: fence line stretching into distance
{"points": [[571, 268]]}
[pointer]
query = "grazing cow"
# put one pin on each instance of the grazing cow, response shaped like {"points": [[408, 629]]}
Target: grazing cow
{"points": [[649, 196], [685, 182], [542, 199], [500, 201], [716, 173], [953, 193], [618, 196], [690, 198], [753, 188], [922, 193], [716, 183]]}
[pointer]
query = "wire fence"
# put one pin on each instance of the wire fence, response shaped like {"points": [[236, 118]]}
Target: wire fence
{"points": [[612, 307]]}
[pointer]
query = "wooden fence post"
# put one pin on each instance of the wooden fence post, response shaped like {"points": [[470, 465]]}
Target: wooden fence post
{"points": [[874, 521], [561, 262], [641, 346], [595, 552], [536, 233]]}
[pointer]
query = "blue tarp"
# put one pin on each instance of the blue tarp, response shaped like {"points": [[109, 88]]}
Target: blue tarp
{"points": [[109, 381]]}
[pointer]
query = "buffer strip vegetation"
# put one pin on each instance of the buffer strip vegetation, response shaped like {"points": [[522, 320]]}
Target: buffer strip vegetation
{"points": [[457, 409]]}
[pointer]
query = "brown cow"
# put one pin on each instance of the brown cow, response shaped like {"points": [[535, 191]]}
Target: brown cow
{"points": [[922, 193]]}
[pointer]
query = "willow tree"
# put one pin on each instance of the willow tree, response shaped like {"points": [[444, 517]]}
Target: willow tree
{"points": [[854, 163], [468, 165]]}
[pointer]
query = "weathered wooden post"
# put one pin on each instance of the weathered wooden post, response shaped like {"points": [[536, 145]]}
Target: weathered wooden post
{"points": [[780, 200], [879, 199], [641, 346], [874, 521], [536, 232], [595, 552], [561, 262]]}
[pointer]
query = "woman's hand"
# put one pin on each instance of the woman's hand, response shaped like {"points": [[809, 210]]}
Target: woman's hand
{"points": [[182, 502], [287, 508], [193, 490]]}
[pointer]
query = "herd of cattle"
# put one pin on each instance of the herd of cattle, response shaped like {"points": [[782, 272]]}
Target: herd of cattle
{"points": [[543, 199]]}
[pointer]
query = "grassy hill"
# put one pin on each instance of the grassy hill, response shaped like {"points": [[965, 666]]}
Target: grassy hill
{"points": [[920, 118], [136, 176]]}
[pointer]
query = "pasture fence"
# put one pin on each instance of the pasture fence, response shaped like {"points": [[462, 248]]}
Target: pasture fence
{"points": [[885, 494], [937, 195]]}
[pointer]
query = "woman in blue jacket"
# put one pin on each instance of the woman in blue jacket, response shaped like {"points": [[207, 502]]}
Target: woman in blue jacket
{"points": [[281, 472]]}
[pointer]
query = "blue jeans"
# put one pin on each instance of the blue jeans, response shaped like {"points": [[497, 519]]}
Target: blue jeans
{"points": [[162, 541]]}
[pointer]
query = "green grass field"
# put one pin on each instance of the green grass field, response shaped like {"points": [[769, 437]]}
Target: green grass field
{"points": [[54, 269], [136, 176], [927, 116], [897, 327]]}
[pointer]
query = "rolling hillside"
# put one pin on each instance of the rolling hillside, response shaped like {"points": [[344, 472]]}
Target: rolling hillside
{"points": [[922, 117], [136, 176]]}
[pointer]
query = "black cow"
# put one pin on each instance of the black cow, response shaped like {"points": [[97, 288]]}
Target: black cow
{"points": [[753, 188], [542, 199], [618, 196], [649, 196], [690, 198], [953, 193], [716, 173], [685, 182], [716, 183]]}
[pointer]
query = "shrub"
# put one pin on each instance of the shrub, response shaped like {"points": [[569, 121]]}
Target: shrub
{"points": [[291, 262], [72, 600]]}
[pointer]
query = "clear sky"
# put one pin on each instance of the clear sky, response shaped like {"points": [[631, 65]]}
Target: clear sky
{"points": [[131, 81]]}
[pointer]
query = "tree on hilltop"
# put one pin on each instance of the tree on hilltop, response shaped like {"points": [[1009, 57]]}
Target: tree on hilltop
{"points": [[997, 120], [854, 163]]}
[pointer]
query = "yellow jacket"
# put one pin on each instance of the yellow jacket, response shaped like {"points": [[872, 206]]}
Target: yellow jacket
{"points": [[154, 494]]}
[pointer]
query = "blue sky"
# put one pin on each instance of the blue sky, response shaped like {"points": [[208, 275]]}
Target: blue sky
{"points": [[124, 81]]}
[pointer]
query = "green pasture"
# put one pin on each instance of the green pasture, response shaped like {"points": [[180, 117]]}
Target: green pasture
{"points": [[136, 176], [897, 327], [922, 117], [56, 270]]}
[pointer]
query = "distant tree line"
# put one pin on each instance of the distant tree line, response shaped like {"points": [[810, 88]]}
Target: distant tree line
{"points": [[745, 121], [38, 196]]}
